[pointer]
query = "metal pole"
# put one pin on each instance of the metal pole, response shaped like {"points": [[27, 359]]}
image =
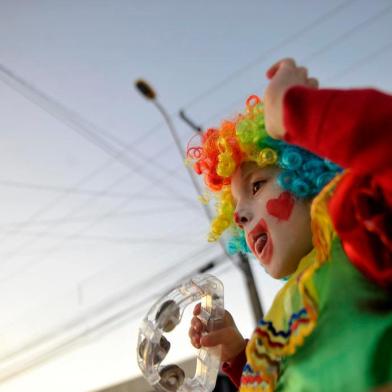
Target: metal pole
{"points": [[244, 259], [147, 91]]}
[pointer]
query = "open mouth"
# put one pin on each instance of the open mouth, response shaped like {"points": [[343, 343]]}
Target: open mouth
{"points": [[259, 242]]}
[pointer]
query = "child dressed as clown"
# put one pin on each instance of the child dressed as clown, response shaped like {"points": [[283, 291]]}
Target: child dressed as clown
{"points": [[304, 182]]}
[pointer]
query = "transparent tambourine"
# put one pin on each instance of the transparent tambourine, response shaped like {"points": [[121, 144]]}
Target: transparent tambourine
{"points": [[162, 318]]}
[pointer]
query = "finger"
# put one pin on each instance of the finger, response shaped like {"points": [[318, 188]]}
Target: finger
{"points": [[229, 321], [312, 82], [196, 343], [195, 340], [194, 337], [303, 71], [221, 336], [197, 310], [192, 331], [273, 69], [197, 325]]}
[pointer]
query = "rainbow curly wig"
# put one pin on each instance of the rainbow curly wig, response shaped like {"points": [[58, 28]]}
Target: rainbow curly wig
{"points": [[243, 139]]}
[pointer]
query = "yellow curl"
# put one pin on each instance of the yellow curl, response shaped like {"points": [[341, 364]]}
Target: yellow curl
{"points": [[226, 165], [266, 157], [224, 218]]}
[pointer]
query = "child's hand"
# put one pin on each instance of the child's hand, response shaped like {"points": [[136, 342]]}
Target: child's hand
{"points": [[228, 336], [282, 75]]}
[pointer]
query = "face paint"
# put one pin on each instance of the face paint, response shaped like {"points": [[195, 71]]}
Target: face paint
{"points": [[282, 206], [237, 220], [260, 242], [276, 225]]}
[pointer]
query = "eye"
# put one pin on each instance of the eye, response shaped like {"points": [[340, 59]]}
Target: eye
{"points": [[257, 185]]}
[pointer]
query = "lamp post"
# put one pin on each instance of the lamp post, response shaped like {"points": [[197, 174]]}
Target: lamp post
{"points": [[148, 92]]}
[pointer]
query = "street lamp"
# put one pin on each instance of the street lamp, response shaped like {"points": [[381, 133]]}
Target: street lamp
{"points": [[149, 93]]}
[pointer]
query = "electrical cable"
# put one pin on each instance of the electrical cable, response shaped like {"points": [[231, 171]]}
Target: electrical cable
{"points": [[307, 28], [77, 124], [74, 219], [85, 128], [43, 257], [364, 60], [351, 31], [39, 94], [59, 189], [309, 58], [105, 305], [261, 58], [80, 335], [87, 203]]}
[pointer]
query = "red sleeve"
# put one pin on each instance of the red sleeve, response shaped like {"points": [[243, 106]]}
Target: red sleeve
{"points": [[233, 369], [354, 129]]}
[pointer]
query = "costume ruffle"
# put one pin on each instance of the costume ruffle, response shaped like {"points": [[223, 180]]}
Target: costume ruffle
{"points": [[294, 313], [364, 223]]}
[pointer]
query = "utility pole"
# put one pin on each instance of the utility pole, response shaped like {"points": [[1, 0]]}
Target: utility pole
{"points": [[148, 92]]}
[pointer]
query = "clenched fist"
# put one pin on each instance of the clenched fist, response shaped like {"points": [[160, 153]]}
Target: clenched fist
{"points": [[228, 336], [282, 75]]}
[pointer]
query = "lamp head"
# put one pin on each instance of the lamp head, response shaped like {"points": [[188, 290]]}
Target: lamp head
{"points": [[145, 89]]}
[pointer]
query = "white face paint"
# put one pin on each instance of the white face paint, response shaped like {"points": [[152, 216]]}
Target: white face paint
{"points": [[276, 225]]}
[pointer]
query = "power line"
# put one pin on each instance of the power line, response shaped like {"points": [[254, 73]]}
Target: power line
{"points": [[85, 128], [109, 303], [96, 331], [348, 33], [194, 255], [81, 123], [318, 53], [222, 268], [43, 257], [76, 123], [309, 58], [116, 240], [119, 314], [122, 204], [346, 70], [368, 58], [70, 190], [351, 31], [65, 221], [215, 87], [261, 58]]}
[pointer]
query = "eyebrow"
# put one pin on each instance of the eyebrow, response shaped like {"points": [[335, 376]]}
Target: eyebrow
{"points": [[243, 181], [248, 175]]}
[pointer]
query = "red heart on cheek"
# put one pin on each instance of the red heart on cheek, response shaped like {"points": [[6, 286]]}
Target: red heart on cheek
{"points": [[282, 206]]}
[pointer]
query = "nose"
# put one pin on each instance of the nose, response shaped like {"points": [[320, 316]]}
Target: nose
{"points": [[242, 217]]}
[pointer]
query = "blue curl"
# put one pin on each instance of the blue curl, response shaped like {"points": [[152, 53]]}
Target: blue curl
{"points": [[237, 244], [303, 173], [291, 159]]}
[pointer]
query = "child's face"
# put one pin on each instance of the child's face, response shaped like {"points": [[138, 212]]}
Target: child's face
{"points": [[277, 226]]}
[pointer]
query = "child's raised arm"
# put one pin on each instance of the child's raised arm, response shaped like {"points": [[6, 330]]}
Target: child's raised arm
{"points": [[352, 128]]}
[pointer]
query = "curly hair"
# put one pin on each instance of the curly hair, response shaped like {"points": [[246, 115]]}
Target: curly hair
{"points": [[243, 139]]}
